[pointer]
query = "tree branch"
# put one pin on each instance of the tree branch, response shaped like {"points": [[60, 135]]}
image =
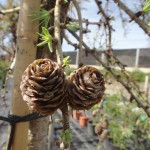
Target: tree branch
{"points": [[12, 10], [79, 52], [133, 16], [86, 21], [70, 42], [133, 90], [59, 54], [77, 37], [57, 31], [107, 19], [7, 49]]}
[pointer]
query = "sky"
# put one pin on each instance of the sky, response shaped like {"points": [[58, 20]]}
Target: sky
{"points": [[134, 37], [130, 37]]}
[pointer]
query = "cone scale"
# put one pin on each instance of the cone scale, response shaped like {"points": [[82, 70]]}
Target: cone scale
{"points": [[43, 86], [86, 88]]}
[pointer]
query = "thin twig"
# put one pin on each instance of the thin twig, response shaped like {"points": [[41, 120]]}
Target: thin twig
{"points": [[77, 37], [7, 49], [138, 98], [59, 53], [86, 21], [133, 16], [107, 19], [79, 52], [129, 89], [70, 42], [12, 10]]}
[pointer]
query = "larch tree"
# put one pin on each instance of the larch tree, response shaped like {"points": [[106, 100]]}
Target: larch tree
{"points": [[26, 52], [50, 20]]}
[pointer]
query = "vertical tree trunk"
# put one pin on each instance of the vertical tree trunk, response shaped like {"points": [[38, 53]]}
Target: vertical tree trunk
{"points": [[39, 129], [39, 134], [26, 51]]}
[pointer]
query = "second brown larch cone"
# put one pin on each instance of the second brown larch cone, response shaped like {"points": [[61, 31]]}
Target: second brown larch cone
{"points": [[86, 88], [98, 128], [43, 86]]}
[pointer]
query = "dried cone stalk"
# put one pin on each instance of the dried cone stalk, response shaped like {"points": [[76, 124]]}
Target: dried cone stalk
{"points": [[86, 88], [43, 86]]}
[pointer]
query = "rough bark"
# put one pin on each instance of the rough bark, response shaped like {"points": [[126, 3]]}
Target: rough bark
{"points": [[40, 130], [57, 11], [39, 134], [26, 50]]}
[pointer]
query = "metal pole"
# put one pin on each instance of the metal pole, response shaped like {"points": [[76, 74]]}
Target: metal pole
{"points": [[137, 58], [146, 85]]}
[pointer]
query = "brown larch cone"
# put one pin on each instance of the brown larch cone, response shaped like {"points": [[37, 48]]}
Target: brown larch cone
{"points": [[86, 88], [43, 86], [103, 135], [98, 128]]}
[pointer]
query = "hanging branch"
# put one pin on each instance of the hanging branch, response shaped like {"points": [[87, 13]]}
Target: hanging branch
{"points": [[133, 16], [59, 54], [79, 52], [128, 85], [86, 21], [107, 19], [70, 42], [57, 32], [7, 49], [77, 37]]}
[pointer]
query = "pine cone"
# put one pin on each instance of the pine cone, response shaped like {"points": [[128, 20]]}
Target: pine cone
{"points": [[98, 128], [86, 88], [43, 86], [103, 135]]}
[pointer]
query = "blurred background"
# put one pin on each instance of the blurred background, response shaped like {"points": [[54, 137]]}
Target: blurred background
{"points": [[114, 37]]}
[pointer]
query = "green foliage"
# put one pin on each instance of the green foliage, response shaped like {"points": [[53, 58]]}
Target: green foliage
{"points": [[95, 107], [138, 75], [66, 135], [146, 7], [99, 147], [46, 39], [128, 124], [66, 61], [65, 1], [43, 16], [3, 66], [73, 26]]}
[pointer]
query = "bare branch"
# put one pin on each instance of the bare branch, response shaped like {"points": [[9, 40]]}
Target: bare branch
{"points": [[133, 16], [133, 90], [79, 52], [107, 19], [59, 54], [77, 37], [86, 21], [12, 10], [57, 32], [70, 42], [8, 50]]}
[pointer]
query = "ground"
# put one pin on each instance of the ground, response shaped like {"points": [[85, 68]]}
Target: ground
{"points": [[81, 139]]}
